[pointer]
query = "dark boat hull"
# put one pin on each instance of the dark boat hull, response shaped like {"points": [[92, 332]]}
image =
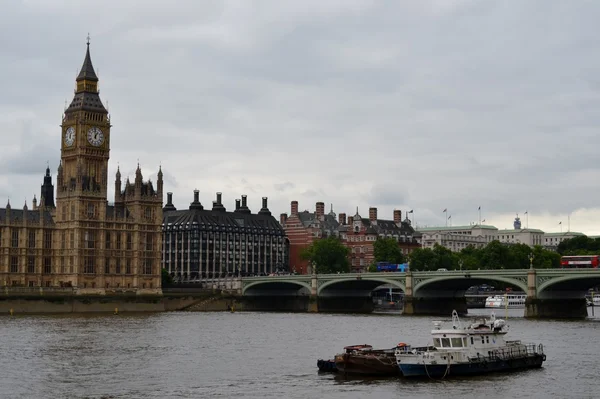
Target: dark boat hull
{"points": [[327, 366], [366, 364], [473, 368]]}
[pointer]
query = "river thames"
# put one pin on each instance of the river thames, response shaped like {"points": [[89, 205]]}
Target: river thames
{"points": [[265, 355]]}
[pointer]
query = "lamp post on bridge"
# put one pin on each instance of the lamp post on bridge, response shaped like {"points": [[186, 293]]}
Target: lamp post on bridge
{"points": [[531, 260], [460, 264]]}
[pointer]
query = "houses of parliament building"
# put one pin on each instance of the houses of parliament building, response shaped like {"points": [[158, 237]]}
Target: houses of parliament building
{"points": [[78, 239]]}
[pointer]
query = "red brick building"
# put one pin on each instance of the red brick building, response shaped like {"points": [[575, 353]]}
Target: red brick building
{"points": [[302, 228], [356, 232], [359, 234]]}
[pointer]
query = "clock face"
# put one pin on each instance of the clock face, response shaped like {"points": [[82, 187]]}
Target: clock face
{"points": [[95, 136], [70, 136]]}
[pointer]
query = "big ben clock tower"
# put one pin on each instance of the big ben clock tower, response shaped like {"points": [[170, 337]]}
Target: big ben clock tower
{"points": [[85, 143], [104, 247]]}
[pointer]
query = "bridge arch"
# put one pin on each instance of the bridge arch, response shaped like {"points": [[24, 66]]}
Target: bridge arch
{"points": [[364, 284], [275, 285], [462, 283], [573, 285]]}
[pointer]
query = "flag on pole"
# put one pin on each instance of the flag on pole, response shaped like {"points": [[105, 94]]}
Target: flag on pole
{"points": [[445, 210], [483, 221], [449, 217], [479, 208], [526, 212], [411, 211], [559, 222]]}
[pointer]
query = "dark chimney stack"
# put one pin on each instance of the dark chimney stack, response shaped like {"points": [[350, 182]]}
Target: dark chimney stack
{"points": [[218, 205], [237, 204], [283, 219], [350, 220], [265, 209], [342, 219], [294, 210], [196, 204], [244, 208], [169, 205]]}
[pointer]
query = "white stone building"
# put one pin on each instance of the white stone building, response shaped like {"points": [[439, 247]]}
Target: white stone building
{"points": [[551, 240], [455, 238]]}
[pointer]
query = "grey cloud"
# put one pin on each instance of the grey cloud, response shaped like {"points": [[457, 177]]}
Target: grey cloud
{"points": [[284, 186], [428, 105]]}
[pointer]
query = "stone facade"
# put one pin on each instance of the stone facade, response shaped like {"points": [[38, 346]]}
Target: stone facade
{"points": [[82, 241]]}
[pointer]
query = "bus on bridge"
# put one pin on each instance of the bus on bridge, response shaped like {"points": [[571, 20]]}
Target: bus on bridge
{"points": [[584, 261]]}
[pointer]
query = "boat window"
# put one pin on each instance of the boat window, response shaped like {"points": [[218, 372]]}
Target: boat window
{"points": [[482, 339], [436, 342], [456, 342], [464, 341], [487, 338], [446, 342], [472, 343]]}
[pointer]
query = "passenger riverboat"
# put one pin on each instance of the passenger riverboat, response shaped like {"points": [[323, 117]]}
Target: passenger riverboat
{"points": [[505, 301], [364, 360], [475, 349]]}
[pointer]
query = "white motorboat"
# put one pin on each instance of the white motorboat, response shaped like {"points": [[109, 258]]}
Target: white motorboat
{"points": [[475, 349], [504, 301]]}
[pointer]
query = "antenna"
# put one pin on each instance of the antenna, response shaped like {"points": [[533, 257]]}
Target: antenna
{"points": [[88, 39]]}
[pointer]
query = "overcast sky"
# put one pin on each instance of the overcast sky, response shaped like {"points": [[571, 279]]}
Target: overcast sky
{"points": [[421, 105]]}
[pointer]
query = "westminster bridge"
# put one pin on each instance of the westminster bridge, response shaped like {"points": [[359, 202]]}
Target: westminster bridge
{"points": [[551, 293]]}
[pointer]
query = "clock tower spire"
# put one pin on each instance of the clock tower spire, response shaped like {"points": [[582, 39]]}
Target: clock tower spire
{"points": [[85, 139]]}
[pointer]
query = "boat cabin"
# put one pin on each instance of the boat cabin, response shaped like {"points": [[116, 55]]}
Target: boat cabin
{"points": [[478, 336]]}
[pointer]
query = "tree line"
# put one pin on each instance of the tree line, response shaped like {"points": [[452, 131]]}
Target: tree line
{"points": [[330, 255]]}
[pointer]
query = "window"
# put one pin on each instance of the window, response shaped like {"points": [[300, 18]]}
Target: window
{"points": [[118, 266], [47, 265], [72, 239], [30, 264], [14, 264], [118, 240], [149, 241], [446, 342], [91, 211], [47, 239], [147, 266], [107, 266], [107, 245], [15, 238], [456, 342], [472, 342], [148, 213], [436, 342], [128, 266], [128, 240], [63, 240], [89, 239], [72, 211], [31, 239], [89, 265]]}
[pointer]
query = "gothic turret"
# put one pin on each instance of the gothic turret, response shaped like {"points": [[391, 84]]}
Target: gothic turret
{"points": [[47, 195], [159, 181]]}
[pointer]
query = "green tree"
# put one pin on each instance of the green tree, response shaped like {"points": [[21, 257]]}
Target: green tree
{"points": [[423, 259], [166, 279], [327, 255], [495, 255], [387, 250], [470, 257], [444, 258]]}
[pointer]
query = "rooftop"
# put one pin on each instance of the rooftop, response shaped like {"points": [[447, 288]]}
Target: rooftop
{"points": [[455, 228]]}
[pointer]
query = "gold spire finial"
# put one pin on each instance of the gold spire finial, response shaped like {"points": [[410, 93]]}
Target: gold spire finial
{"points": [[88, 39]]}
